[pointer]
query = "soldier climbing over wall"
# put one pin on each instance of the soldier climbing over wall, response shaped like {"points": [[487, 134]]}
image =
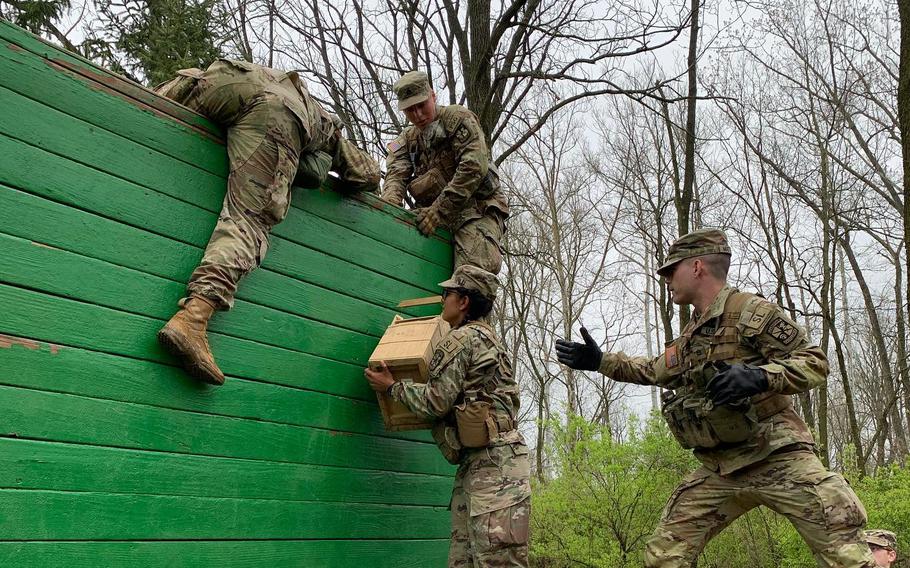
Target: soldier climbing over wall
{"points": [[729, 375], [276, 132], [443, 164]]}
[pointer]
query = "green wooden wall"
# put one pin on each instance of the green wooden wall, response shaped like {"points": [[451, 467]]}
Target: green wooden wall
{"points": [[109, 455]]}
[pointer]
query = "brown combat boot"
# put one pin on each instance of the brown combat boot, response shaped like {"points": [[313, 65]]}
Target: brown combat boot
{"points": [[184, 336]]}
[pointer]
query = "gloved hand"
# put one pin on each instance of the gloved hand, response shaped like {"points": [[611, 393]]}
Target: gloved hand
{"points": [[582, 356], [428, 219], [735, 382]]}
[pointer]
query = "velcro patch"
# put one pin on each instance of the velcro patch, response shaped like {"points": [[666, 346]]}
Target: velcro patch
{"points": [[671, 357], [463, 134], [394, 145], [783, 331], [759, 316], [445, 352]]}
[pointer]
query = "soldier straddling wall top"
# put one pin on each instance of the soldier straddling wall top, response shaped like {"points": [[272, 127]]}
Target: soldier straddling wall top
{"points": [[442, 162], [474, 400], [276, 132], [730, 374]]}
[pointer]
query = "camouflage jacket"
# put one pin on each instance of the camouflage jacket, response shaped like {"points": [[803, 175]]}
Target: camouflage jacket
{"points": [[447, 163], [760, 334], [471, 358]]}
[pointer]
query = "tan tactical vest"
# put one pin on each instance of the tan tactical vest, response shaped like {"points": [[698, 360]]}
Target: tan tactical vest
{"points": [[692, 417]]}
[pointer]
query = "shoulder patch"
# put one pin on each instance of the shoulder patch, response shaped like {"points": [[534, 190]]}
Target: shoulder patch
{"points": [[396, 144], [783, 331], [463, 134], [759, 316], [671, 356], [451, 345]]}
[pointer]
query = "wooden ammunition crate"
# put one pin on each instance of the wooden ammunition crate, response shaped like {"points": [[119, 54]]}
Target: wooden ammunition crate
{"points": [[406, 348]]}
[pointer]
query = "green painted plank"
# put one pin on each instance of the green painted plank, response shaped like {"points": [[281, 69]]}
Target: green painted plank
{"points": [[97, 282], [76, 419], [18, 38], [36, 78], [28, 464], [401, 233], [57, 132], [38, 366], [315, 232], [52, 515], [43, 221], [228, 554], [31, 364], [72, 323]]}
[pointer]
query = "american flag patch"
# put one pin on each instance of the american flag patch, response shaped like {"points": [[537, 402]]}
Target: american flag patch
{"points": [[394, 145], [671, 357]]}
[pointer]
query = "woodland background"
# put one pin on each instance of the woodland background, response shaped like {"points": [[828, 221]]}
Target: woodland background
{"points": [[618, 126]]}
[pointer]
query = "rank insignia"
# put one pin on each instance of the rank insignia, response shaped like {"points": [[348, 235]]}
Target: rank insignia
{"points": [[783, 331], [671, 357]]}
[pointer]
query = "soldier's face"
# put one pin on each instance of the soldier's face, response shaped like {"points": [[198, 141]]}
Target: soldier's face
{"points": [[681, 282], [422, 114], [883, 556], [454, 307]]}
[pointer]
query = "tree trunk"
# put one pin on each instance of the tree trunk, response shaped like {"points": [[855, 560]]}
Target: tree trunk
{"points": [[903, 114], [881, 349]]}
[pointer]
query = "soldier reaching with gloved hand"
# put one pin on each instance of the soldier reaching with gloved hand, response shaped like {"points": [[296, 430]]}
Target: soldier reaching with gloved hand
{"points": [[442, 162], [276, 132], [730, 375]]}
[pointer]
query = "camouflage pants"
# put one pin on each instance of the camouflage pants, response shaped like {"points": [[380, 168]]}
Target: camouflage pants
{"points": [[258, 196], [820, 504], [477, 243], [491, 509]]}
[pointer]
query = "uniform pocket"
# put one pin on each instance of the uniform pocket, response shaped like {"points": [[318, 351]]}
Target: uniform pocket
{"points": [[694, 480], [504, 527], [840, 507]]}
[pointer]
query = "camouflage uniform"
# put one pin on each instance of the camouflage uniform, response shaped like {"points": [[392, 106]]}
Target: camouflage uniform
{"points": [[491, 498], [273, 125], [775, 466], [448, 166]]}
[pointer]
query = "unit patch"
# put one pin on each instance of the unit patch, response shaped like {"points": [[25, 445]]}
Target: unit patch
{"points": [[783, 331], [437, 358], [463, 134]]}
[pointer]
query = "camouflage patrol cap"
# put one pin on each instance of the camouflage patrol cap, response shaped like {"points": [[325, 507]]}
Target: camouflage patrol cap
{"points": [[412, 88], [472, 278], [881, 538], [696, 243]]}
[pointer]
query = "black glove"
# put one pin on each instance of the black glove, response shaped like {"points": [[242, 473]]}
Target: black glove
{"points": [[583, 356], [736, 382]]}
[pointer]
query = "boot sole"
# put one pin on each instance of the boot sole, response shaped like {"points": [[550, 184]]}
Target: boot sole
{"points": [[175, 346]]}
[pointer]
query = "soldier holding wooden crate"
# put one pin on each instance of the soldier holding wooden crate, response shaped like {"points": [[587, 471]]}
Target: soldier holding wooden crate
{"points": [[473, 401]]}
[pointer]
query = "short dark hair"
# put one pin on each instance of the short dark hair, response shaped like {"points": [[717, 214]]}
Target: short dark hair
{"points": [[718, 265], [479, 305]]}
